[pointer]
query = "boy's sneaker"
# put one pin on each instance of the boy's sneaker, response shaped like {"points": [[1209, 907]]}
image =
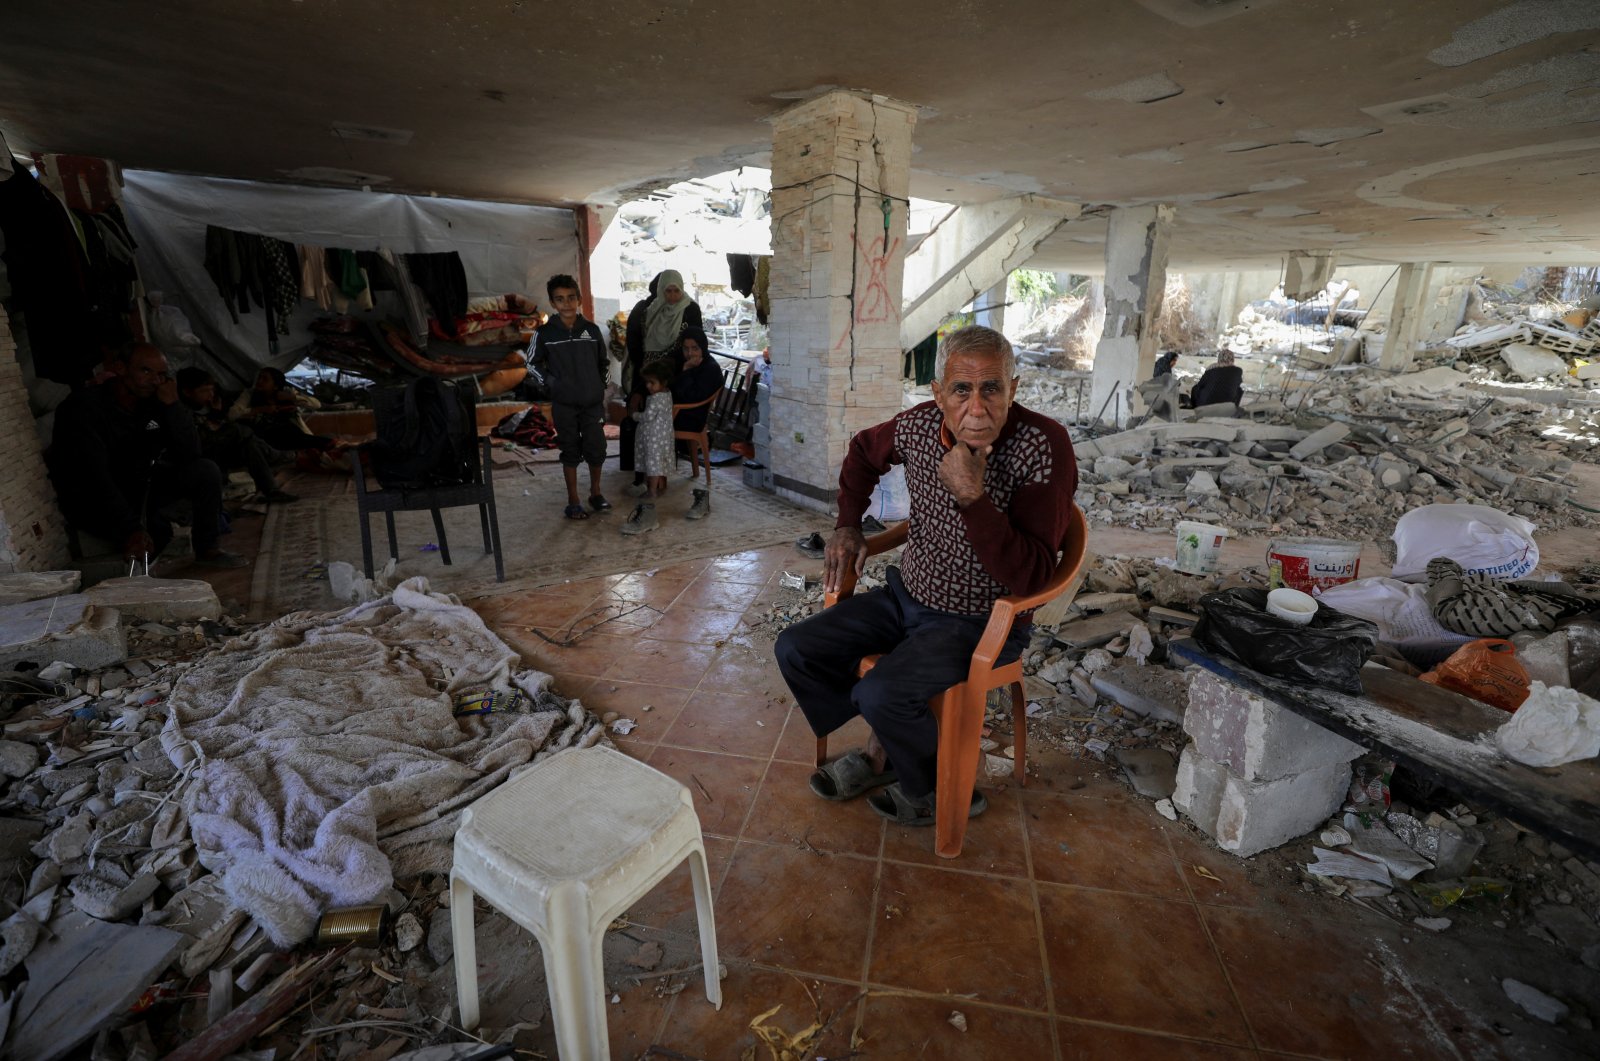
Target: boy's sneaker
{"points": [[701, 507], [636, 489], [642, 519]]}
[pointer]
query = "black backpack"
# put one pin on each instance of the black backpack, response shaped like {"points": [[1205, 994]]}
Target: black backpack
{"points": [[427, 435]]}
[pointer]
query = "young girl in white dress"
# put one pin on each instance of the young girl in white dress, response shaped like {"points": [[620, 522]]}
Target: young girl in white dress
{"points": [[652, 445]]}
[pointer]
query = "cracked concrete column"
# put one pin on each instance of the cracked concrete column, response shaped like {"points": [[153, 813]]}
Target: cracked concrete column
{"points": [[1136, 280], [1405, 317], [841, 166]]}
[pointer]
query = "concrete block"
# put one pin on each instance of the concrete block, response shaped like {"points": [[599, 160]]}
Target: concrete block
{"points": [[70, 629], [1319, 440], [1248, 817], [19, 587], [157, 599], [1255, 816], [1257, 740], [1198, 790]]}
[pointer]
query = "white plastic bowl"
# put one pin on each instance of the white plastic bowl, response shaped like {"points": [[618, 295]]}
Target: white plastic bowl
{"points": [[1292, 606]]}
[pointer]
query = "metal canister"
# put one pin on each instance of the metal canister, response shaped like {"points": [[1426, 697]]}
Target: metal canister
{"points": [[365, 926]]}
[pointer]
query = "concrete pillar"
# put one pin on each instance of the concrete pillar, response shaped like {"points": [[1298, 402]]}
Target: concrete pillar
{"points": [[1228, 302], [1405, 318], [989, 308], [840, 178], [33, 535], [1136, 280], [587, 228]]}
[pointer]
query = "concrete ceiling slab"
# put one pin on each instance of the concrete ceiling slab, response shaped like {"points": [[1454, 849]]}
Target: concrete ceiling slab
{"points": [[1269, 123]]}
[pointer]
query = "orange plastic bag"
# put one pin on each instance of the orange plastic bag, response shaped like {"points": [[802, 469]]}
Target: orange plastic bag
{"points": [[1486, 670]]}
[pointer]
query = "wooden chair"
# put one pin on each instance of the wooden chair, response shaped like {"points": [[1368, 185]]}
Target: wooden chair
{"points": [[959, 708], [699, 441]]}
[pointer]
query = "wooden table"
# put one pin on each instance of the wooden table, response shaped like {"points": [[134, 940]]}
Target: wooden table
{"points": [[1441, 736]]}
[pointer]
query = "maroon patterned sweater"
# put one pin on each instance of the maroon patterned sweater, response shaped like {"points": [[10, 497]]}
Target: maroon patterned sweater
{"points": [[962, 560]]}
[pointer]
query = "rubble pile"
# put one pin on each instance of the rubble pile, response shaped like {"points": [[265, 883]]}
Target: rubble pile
{"points": [[1437, 864], [101, 863], [1344, 456]]}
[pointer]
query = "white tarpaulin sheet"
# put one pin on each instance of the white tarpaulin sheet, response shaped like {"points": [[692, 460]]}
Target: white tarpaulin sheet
{"points": [[504, 247]]}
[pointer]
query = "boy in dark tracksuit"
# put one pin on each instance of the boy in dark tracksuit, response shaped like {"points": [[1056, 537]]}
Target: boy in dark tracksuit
{"points": [[571, 355]]}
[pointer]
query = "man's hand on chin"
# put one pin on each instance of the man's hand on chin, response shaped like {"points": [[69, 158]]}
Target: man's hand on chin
{"points": [[846, 549], [961, 472]]}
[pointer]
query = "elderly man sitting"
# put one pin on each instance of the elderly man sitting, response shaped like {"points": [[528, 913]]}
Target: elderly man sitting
{"points": [[991, 487]]}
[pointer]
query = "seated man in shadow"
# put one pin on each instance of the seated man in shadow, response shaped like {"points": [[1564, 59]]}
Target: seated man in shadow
{"points": [[124, 449], [230, 443], [1219, 384], [991, 487]]}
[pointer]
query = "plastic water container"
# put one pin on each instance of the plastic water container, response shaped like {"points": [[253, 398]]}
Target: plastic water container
{"points": [[1199, 546], [1309, 564]]}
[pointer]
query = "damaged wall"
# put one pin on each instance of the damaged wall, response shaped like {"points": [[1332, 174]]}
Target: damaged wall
{"points": [[32, 534]]}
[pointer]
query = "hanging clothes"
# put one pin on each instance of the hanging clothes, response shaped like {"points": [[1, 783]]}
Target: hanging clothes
{"points": [[346, 272], [763, 279], [443, 282], [742, 273], [315, 283], [47, 270], [387, 275], [281, 279]]}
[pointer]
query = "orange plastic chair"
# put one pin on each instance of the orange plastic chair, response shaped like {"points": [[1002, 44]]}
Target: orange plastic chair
{"points": [[959, 708], [700, 441]]}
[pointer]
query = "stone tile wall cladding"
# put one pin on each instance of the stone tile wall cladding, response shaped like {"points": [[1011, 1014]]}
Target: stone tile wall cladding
{"points": [[27, 500], [836, 275]]}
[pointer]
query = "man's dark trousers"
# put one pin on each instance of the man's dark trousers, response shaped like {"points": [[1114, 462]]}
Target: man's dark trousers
{"points": [[925, 653], [198, 481]]}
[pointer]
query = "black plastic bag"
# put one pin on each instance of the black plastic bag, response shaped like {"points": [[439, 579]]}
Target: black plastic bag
{"points": [[1327, 652]]}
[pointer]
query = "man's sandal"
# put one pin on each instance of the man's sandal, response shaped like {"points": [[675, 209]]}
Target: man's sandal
{"points": [[894, 804], [848, 777], [812, 545], [577, 512], [599, 504]]}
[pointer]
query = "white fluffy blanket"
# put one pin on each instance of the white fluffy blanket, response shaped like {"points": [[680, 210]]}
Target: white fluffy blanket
{"points": [[326, 757]]}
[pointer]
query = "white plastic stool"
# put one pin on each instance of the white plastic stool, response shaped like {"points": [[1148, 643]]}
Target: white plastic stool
{"points": [[562, 850]]}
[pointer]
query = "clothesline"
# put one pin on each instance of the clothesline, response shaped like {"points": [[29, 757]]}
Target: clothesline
{"points": [[277, 275]]}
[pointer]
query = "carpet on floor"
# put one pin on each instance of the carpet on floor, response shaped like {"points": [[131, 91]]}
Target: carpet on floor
{"points": [[541, 547]]}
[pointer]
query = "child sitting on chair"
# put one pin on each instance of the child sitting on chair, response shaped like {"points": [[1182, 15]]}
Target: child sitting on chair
{"points": [[652, 445]]}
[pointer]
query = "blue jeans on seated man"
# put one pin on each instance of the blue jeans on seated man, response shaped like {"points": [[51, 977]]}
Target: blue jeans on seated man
{"points": [[924, 652]]}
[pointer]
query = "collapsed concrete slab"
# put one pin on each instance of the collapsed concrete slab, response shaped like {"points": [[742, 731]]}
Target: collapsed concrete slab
{"points": [[19, 587], [1154, 692], [157, 599], [1532, 362], [1319, 440], [71, 629]]}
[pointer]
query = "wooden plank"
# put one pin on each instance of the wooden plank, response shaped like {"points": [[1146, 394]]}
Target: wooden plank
{"points": [[1443, 737]]}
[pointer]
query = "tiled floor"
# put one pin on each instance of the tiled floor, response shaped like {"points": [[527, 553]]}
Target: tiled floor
{"points": [[1077, 923]]}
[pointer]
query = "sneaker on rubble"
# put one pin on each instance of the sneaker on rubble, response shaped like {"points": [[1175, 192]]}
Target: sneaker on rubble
{"points": [[642, 519], [701, 507]]}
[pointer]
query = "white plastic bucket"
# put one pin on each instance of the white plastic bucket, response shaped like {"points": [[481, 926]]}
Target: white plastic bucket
{"points": [[1309, 564], [1199, 546]]}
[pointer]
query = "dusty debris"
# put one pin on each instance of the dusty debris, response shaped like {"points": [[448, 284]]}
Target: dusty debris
{"points": [[100, 869]]}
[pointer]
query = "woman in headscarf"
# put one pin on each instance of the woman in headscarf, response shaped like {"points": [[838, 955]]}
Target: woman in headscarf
{"points": [[1223, 382], [655, 332]]}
